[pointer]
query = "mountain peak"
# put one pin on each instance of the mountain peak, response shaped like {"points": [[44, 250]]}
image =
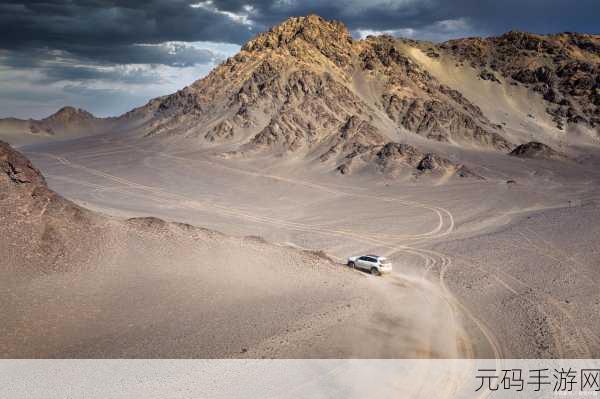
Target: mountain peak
{"points": [[68, 113], [311, 29]]}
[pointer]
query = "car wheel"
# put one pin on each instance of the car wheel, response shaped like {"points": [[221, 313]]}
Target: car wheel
{"points": [[351, 265], [374, 271]]}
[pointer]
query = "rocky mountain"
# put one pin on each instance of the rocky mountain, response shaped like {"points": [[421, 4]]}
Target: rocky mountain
{"points": [[307, 87]]}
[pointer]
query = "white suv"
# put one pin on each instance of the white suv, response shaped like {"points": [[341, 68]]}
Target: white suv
{"points": [[377, 265]]}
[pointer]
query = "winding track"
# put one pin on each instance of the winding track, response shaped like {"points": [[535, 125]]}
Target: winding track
{"points": [[440, 212], [569, 338], [391, 242]]}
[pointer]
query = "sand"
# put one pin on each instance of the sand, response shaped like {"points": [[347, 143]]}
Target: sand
{"points": [[80, 284], [482, 268]]}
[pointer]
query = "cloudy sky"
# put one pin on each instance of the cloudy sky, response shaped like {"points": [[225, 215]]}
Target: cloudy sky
{"points": [[108, 56]]}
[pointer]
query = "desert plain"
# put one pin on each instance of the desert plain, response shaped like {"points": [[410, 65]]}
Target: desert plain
{"points": [[216, 222]]}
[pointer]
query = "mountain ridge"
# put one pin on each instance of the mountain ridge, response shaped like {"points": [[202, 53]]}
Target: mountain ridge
{"points": [[296, 88], [564, 68]]}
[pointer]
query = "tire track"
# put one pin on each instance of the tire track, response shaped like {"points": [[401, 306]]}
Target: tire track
{"points": [[562, 333], [439, 211], [430, 258]]}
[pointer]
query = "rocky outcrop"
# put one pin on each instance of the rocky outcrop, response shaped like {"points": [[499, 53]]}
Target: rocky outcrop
{"points": [[35, 218], [537, 150], [394, 158], [309, 109], [23, 186], [64, 120], [441, 121], [68, 115], [354, 137], [15, 169], [330, 38], [486, 74], [224, 130]]}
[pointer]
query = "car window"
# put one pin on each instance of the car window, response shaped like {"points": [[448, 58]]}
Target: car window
{"points": [[372, 260], [363, 258]]}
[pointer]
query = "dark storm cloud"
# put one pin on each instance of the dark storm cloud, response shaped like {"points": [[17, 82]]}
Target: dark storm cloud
{"points": [[107, 30], [74, 26], [172, 54], [18, 95], [88, 73], [56, 65], [490, 17], [540, 16], [72, 40]]}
